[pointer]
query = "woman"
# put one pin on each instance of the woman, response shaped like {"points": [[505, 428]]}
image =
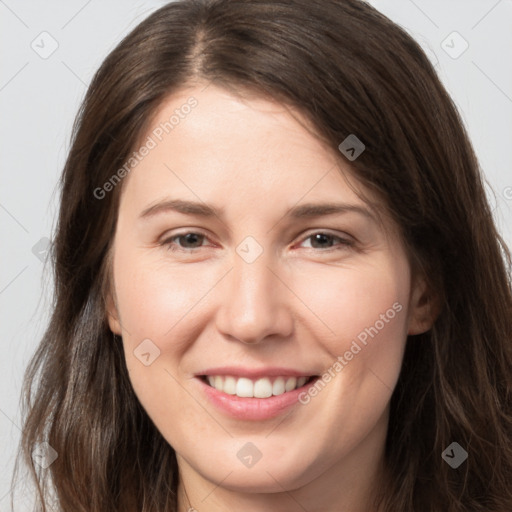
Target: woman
{"points": [[206, 351]]}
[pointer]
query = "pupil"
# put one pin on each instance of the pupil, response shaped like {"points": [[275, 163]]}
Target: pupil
{"points": [[321, 237], [188, 239]]}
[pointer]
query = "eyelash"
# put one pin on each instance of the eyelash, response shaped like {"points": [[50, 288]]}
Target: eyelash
{"points": [[344, 243]]}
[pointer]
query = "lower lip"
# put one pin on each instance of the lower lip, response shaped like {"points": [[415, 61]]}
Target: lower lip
{"points": [[255, 409]]}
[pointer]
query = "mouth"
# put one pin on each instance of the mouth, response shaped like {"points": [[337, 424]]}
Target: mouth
{"points": [[254, 399], [263, 387], [255, 392]]}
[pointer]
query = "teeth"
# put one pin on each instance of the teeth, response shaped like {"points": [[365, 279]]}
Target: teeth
{"points": [[301, 381], [230, 385], [244, 388], [278, 386], [291, 384], [261, 388]]}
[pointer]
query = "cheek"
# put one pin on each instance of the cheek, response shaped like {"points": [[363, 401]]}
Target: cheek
{"points": [[158, 302], [363, 313], [354, 303], [154, 297], [339, 304], [155, 303], [365, 310]]}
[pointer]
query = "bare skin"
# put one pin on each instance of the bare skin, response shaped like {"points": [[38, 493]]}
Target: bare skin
{"points": [[300, 304]]}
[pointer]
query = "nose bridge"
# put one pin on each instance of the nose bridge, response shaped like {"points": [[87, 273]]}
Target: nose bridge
{"points": [[253, 280], [253, 307]]}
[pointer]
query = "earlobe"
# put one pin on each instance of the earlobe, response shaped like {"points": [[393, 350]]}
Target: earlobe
{"points": [[423, 308]]}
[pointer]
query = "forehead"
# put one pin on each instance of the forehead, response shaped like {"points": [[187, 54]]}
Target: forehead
{"points": [[250, 152], [230, 127]]}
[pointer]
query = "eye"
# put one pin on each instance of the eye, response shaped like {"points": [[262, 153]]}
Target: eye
{"points": [[189, 241], [323, 240], [192, 240]]}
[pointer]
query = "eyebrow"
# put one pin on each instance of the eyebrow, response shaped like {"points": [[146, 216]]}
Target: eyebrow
{"points": [[304, 211]]}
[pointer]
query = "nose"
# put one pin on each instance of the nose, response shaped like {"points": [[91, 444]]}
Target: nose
{"points": [[254, 303]]}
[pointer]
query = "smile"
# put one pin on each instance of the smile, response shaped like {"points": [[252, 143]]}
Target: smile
{"points": [[264, 387]]}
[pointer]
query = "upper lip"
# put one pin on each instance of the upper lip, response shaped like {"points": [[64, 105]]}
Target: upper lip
{"points": [[255, 373]]}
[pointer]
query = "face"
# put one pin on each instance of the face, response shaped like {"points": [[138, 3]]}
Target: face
{"points": [[262, 336]]}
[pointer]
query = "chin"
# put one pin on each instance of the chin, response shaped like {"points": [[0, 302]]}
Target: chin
{"points": [[263, 477]]}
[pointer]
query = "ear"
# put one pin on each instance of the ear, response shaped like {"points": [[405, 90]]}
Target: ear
{"points": [[424, 306], [113, 314]]}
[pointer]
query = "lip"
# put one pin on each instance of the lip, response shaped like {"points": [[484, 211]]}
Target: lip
{"points": [[252, 409], [255, 373]]}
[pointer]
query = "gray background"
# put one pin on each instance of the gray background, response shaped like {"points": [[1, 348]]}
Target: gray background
{"points": [[40, 94]]}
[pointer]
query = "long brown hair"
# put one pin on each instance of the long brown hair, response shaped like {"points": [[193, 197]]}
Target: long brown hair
{"points": [[349, 70]]}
